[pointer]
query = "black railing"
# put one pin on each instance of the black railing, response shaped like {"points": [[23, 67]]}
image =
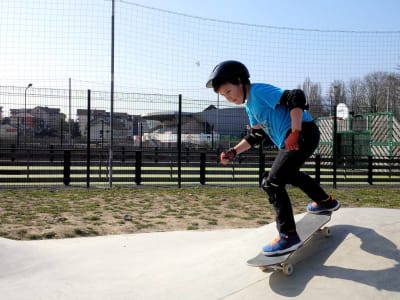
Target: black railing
{"points": [[72, 167]]}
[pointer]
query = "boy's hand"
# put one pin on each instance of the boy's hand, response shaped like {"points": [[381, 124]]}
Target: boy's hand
{"points": [[292, 141], [225, 157]]}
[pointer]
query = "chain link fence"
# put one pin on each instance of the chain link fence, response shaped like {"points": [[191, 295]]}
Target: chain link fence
{"points": [[98, 89]]}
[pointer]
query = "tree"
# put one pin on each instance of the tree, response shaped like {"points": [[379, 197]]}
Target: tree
{"points": [[392, 89], [338, 91], [375, 91], [356, 92], [75, 132], [337, 94], [314, 97]]}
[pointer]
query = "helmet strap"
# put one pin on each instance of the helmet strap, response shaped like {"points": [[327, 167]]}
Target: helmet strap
{"points": [[244, 90], [244, 93]]}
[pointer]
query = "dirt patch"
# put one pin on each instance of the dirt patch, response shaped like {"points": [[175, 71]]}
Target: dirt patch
{"points": [[65, 213]]}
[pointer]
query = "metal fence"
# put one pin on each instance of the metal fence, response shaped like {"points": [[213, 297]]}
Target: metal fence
{"points": [[42, 146], [72, 112], [167, 167]]}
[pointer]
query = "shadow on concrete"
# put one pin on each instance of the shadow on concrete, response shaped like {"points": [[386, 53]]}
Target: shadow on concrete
{"points": [[309, 261]]}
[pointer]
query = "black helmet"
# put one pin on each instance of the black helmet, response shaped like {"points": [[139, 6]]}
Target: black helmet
{"points": [[228, 71]]}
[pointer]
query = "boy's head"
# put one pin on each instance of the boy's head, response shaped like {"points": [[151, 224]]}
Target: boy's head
{"points": [[229, 71]]}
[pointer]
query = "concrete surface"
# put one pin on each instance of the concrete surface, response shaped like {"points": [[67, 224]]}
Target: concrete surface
{"points": [[361, 260]]}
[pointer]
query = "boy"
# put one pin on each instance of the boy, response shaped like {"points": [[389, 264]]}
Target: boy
{"points": [[282, 116]]}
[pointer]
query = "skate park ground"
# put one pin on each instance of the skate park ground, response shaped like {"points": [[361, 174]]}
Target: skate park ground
{"points": [[361, 260]]}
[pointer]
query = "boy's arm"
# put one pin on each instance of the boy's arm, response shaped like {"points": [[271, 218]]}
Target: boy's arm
{"points": [[255, 136], [230, 154], [242, 146], [296, 115]]}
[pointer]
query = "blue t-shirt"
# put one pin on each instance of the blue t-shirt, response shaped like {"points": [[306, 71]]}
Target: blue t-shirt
{"points": [[262, 108]]}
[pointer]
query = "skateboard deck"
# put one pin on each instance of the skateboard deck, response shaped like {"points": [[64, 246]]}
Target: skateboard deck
{"points": [[306, 227]]}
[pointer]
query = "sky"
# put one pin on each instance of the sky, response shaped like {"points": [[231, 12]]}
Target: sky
{"points": [[348, 15], [172, 47]]}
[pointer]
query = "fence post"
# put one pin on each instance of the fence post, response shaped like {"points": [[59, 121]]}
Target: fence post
{"points": [[28, 163], [155, 154], [187, 150], [261, 165], [202, 168], [179, 141], [123, 154], [13, 152], [88, 143], [51, 156], [67, 167], [138, 167], [334, 148], [318, 168], [370, 169]]}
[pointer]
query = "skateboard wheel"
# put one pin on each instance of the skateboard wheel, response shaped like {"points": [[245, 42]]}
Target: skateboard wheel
{"points": [[288, 269], [327, 232]]}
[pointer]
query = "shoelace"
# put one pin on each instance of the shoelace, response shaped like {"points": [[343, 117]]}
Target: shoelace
{"points": [[277, 239], [329, 199]]}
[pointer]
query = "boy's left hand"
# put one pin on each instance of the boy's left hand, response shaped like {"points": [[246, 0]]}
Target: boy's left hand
{"points": [[225, 157], [292, 141]]}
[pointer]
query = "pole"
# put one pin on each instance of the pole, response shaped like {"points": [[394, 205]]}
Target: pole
{"points": [[179, 141], [88, 150], [334, 140], [387, 99], [70, 119], [26, 89], [110, 155]]}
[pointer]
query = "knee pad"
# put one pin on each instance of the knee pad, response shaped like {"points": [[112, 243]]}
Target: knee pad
{"points": [[271, 188]]}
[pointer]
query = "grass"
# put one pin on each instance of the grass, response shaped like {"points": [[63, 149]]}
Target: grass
{"points": [[31, 214]]}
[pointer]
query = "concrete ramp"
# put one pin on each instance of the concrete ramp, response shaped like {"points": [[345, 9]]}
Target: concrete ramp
{"points": [[361, 260]]}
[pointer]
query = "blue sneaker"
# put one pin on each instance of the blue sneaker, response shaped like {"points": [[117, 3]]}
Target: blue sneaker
{"points": [[284, 243], [329, 204]]}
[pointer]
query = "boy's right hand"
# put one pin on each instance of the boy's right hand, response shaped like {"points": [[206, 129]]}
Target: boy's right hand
{"points": [[292, 141], [226, 156]]}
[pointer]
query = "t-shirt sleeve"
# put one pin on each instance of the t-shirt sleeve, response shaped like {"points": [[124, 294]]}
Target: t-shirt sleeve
{"points": [[273, 93]]}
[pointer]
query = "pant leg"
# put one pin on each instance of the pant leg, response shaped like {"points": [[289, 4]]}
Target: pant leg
{"points": [[286, 169], [276, 190], [309, 186], [309, 142]]}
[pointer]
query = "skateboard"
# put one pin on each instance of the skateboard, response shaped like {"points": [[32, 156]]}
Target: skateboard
{"points": [[306, 227]]}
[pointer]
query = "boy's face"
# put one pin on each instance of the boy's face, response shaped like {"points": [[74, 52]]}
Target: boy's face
{"points": [[232, 92]]}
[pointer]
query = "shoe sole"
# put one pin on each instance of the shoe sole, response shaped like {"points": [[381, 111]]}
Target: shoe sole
{"points": [[325, 210]]}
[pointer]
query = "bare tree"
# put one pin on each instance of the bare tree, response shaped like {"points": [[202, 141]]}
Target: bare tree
{"points": [[338, 90], [392, 89], [357, 98], [314, 97], [375, 91]]}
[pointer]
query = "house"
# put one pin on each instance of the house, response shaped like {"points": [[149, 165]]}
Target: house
{"points": [[206, 126], [37, 119], [8, 133], [46, 117], [125, 126], [226, 121], [17, 119], [95, 114]]}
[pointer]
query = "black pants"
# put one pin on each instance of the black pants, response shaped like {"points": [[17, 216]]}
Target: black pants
{"points": [[286, 170]]}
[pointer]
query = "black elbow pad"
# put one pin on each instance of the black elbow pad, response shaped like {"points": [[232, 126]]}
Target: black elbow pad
{"points": [[256, 136], [294, 99]]}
